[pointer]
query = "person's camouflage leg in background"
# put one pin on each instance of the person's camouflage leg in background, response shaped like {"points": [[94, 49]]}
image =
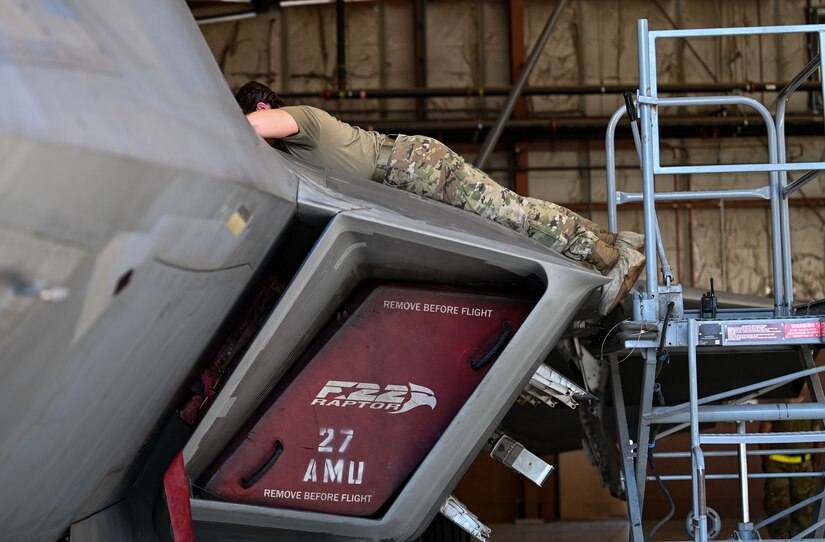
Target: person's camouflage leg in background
{"points": [[429, 168], [781, 493]]}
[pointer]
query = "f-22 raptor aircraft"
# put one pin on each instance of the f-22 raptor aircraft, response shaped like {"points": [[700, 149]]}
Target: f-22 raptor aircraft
{"points": [[321, 356], [142, 222]]}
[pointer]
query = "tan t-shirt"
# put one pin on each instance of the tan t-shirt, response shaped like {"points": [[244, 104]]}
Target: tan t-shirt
{"points": [[325, 141]]}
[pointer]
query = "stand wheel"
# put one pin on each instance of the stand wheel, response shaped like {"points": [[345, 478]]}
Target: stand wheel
{"points": [[714, 524]]}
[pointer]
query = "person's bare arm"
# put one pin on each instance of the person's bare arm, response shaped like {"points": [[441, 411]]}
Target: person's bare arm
{"points": [[272, 123]]}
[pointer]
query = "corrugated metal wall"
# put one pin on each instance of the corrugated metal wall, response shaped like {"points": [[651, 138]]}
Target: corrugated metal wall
{"points": [[594, 43]]}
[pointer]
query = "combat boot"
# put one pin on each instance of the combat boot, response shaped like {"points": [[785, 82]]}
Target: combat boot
{"points": [[631, 240], [603, 257], [622, 277]]}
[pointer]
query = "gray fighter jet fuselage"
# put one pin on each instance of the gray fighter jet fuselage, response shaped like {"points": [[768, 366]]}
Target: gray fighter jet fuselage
{"points": [[140, 220], [137, 212]]}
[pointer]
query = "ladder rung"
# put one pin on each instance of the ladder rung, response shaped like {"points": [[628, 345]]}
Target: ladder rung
{"points": [[762, 438], [733, 413]]}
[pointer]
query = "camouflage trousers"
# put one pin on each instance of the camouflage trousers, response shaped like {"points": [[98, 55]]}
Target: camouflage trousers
{"points": [[780, 493], [427, 167]]}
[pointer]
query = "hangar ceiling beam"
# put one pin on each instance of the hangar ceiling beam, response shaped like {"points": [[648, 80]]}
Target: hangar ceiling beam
{"points": [[555, 90], [520, 160], [504, 114], [420, 51], [341, 31]]}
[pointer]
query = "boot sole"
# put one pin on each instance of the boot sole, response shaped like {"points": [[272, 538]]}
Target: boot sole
{"points": [[629, 280], [638, 248]]}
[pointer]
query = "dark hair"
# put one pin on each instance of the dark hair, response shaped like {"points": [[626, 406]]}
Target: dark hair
{"points": [[253, 92]]}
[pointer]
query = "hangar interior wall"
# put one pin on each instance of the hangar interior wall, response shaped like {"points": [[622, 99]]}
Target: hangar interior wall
{"points": [[594, 43]]}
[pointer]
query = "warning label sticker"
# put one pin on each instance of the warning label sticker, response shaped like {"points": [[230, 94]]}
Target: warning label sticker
{"points": [[803, 330], [754, 332], [773, 331]]}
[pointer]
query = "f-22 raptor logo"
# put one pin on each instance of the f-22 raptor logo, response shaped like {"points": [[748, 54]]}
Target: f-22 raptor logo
{"points": [[393, 398]]}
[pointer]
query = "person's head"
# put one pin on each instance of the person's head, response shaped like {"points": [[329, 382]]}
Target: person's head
{"points": [[254, 96]]}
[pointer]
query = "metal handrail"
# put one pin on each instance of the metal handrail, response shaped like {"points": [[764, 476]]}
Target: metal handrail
{"points": [[613, 196], [648, 304], [781, 105], [782, 304], [801, 181], [756, 193], [776, 167], [736, 31]]}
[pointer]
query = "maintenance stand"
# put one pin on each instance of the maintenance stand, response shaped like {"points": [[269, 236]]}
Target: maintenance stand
{"points": [[663, 325]]}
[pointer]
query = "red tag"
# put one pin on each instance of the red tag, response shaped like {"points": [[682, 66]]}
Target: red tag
{"points": [[176, 485]]}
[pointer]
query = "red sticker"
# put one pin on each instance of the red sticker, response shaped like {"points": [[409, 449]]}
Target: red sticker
{"points": [[803, 330]]}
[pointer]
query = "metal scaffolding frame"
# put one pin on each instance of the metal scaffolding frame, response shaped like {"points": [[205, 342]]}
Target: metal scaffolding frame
{"points": [[660, 306]]}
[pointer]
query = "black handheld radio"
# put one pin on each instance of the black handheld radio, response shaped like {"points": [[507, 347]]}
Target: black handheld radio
{"points": [[708, 307]]}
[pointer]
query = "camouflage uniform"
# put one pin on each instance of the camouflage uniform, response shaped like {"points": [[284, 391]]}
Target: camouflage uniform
{"points": [[781, 493], [427, 167]]}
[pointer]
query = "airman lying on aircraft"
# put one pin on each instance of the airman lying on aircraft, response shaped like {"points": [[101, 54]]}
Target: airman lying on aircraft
{"points": [[427, 167]]}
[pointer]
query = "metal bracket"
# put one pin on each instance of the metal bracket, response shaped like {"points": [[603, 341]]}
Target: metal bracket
{"points": [[668, 294], [547, 386], [646, 307], [514, 455], [590, 366], [647, 100], [455, 511]]}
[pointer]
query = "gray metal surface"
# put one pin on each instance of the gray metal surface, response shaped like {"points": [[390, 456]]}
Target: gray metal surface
{"points": [[113, 190], [758, 412], [781, 102], [762, 438], [627, 447], [790, 377], [756, 193], [514, 455], [744, 497], [610, 168], [735, 476], [647, 120], [457, 512], [136, 205], [549, 387]]}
